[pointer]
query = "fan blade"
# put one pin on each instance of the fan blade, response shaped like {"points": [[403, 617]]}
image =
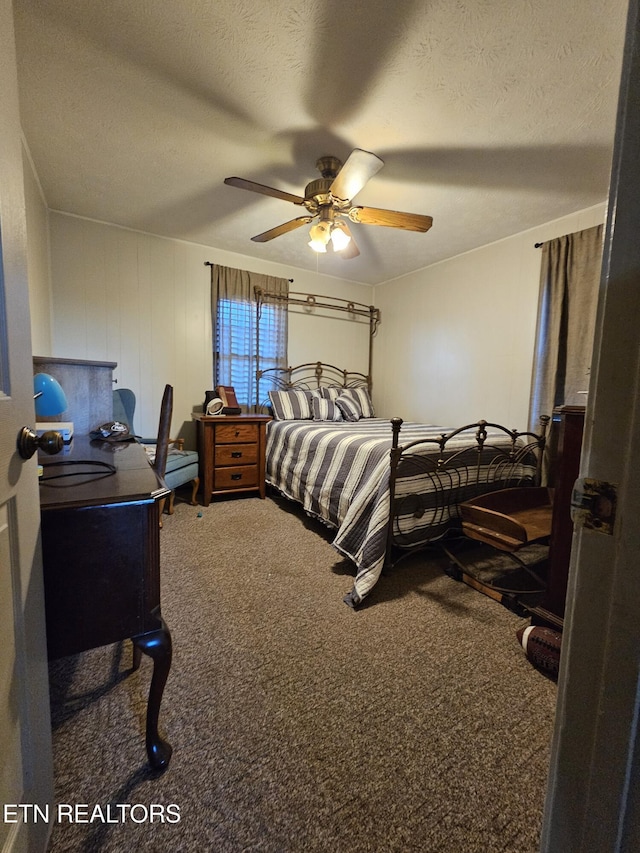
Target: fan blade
{"points": [[391, 218], [244, 184], [351, 250], [360, 166], [282, 229]]}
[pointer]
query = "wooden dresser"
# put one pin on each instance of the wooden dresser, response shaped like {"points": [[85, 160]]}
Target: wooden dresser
{"points": [[231, 450], [569, 423]]}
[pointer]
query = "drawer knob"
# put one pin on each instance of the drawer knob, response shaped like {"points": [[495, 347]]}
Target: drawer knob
{"points": [[237, 433], [237, 454], [236, 476]]}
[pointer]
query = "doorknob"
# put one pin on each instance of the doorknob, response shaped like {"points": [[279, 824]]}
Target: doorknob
{"points": [[29, 441]]}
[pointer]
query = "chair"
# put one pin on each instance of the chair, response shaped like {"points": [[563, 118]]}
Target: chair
{"points": [[181, 468], [124, 407], [164, 429], [162, 441], [510, 519], [180, 465]]}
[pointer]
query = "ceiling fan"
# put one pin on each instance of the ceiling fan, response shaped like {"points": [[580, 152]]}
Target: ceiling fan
{"points": [[329, 200]]}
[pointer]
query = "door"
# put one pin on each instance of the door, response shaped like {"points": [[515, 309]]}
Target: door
{"points": [[25, 729], [593, 798]]}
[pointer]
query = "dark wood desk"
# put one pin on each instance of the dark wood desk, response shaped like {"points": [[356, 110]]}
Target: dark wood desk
{"points": [[101, 560]]}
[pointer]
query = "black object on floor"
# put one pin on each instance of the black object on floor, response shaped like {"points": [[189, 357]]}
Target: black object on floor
{"points": [[517, 582]]}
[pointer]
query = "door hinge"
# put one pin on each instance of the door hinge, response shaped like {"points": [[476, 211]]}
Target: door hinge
{"points": [[593, 505]]}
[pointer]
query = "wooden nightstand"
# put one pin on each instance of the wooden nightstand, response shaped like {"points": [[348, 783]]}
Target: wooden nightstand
{"points": [[231, 449]]}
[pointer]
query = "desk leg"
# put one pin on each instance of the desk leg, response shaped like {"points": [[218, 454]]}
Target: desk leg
{"points": [[156, 644]]}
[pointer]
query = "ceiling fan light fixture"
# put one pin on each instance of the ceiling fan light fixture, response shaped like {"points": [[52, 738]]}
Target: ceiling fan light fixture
{"points": [[319, 234], [339, 237], [328, 199]]}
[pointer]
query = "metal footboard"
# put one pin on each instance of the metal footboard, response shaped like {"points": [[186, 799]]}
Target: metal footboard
{"points": [[429, 478]]}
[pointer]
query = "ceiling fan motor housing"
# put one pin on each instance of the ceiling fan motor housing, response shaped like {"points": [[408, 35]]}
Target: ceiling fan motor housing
{"points": [[317, 193]]}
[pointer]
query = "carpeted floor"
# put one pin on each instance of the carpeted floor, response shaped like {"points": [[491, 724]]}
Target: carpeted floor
{"points": [[412, 724]]}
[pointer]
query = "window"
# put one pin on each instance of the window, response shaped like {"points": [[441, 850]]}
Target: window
{"points": [[236, 346], [237, 329]]}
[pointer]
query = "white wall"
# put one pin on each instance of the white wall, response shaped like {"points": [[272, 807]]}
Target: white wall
{"points": [[456, 339], [144, 302], [37, 259]]}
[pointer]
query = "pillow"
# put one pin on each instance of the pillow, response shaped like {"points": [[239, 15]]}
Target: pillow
{"points": [[361, 394], [349, 407], [325, 410], [327, 392], [290, 405]]}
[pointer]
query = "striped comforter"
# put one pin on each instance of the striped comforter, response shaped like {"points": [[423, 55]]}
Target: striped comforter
{"points": [[339, 472]]}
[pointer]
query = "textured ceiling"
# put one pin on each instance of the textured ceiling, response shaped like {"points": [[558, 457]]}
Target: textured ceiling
{"points": [[492, 116]]}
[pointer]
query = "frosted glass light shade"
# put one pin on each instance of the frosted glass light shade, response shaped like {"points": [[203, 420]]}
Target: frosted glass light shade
{"points": [[339, 238], [319, 235]]}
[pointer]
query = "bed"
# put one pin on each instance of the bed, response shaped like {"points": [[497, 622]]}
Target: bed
{"points": [[385, 487]]}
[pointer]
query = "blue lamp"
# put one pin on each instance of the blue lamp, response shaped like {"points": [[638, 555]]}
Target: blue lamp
{"points": [[49, 397], [49, 400]]}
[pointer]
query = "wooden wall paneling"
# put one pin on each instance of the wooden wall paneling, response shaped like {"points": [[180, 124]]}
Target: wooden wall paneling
{"points": [[130, 309], [145, 335], [198, 346], [114, 311], [96, 287], [69, 297], [163, 306]]}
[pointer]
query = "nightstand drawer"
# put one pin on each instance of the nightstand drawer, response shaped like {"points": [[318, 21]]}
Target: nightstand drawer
{"points": [[240, 477], [236, 454], [235, 433]]}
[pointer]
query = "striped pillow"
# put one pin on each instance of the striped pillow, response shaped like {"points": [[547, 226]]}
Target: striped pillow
{"points": [[362, 396], [325, 410], [327, 392], [290, 405], [349, 407]]}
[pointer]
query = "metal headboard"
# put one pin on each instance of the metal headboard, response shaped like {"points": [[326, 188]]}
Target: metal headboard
{"points": [[313, 374]]}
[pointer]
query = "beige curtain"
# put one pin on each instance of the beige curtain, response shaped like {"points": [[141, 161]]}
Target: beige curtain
{"points": [[569, 284], [234, 321]]}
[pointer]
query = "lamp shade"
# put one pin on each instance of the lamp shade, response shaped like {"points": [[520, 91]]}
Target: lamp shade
{"points": [[49, 397], [340, 237], [319, 235]]}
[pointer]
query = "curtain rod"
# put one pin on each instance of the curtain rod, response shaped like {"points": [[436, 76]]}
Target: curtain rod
{"points": [[537, 245]]}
